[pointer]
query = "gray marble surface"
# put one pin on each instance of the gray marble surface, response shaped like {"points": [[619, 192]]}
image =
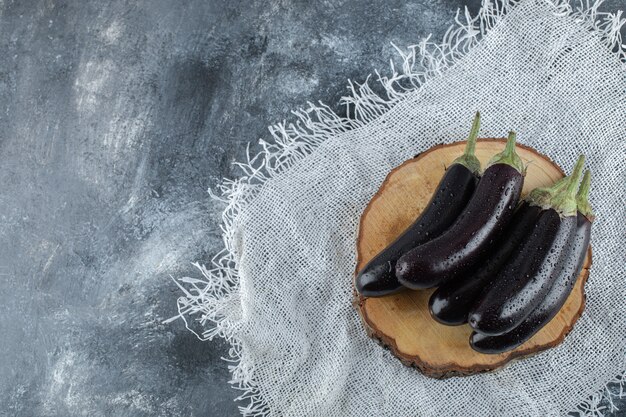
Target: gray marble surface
{"points": [[116, 118]]}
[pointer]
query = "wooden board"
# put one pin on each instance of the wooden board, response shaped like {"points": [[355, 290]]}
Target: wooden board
{"points": [[402, 322]]}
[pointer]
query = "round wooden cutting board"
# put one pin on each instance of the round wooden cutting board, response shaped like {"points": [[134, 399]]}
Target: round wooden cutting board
{"points": [[402, 322]]}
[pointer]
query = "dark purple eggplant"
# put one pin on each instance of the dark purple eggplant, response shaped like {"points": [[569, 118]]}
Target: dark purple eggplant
{"points": [[450, 304], [455, 189], [528, 275], [559, 292], [468, 240]]}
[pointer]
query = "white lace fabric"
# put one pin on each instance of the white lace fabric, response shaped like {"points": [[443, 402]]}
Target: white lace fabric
{"points": [[281, 290]]}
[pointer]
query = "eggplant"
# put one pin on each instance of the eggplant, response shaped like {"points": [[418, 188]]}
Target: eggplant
{"points": [[468, 240], [450, 303], [560, 290], [522, 284], [455, 189]]}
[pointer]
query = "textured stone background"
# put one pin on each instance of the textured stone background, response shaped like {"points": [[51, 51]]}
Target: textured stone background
{"points": [[116, 118]]}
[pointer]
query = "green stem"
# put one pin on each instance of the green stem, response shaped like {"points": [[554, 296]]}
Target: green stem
{"points": [[582, 198], [510, 143], [564, 201], [508, 155], [468, 159], [470, 148], [541, 196]]}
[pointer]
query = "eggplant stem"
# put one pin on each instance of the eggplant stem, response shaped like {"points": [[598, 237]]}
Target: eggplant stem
{"points": [[510, 144], [582, 197], [541, 196], [508, 156], [572, 187], [564, 201], [468, 159], [470, 149]]}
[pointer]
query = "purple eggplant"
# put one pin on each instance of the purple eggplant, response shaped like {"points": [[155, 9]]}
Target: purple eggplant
{"points": [[468, 240], [533, 267], [450, 304], [559, 291], [455, 189]]}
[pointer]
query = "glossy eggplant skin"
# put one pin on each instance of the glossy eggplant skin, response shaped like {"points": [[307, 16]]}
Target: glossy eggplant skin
{"points": [[450, 304], [526, 278], [468, 240], [551, 304], [455, 189]]}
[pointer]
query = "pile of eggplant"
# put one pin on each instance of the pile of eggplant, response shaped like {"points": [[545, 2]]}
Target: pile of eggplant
{"points": [[501, 264]]}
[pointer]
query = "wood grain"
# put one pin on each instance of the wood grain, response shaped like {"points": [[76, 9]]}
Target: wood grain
{"points": [[402, 322]]}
